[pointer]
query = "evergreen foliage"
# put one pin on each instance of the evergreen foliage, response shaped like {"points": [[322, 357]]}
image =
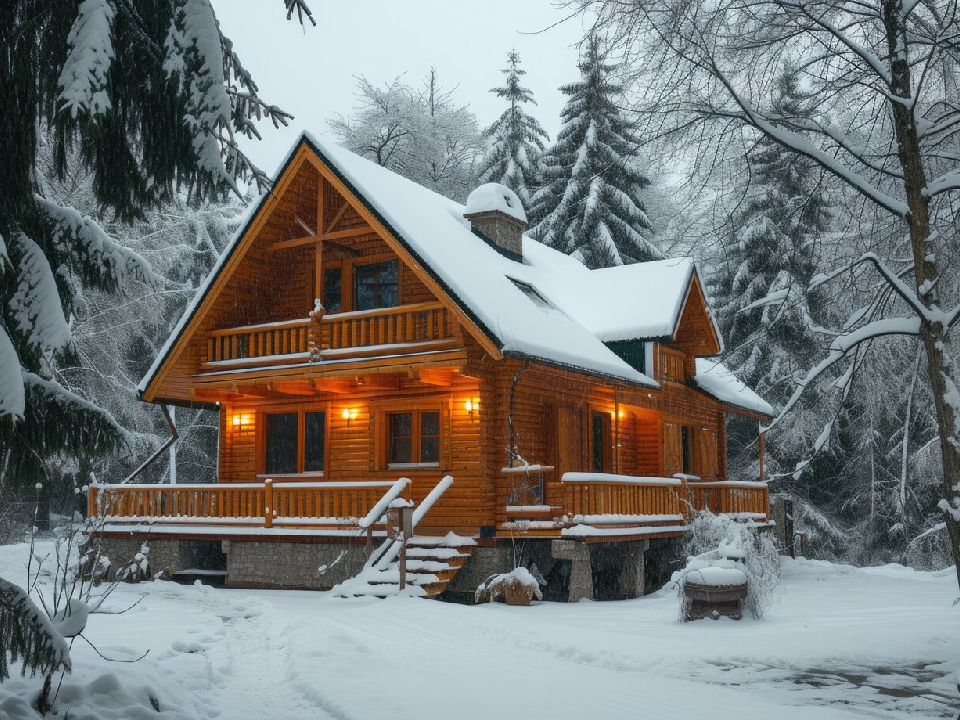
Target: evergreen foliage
{"points": [[515, 140], [768, 320], [763, 307], [26, 635], [590, 205], [150, 99]]}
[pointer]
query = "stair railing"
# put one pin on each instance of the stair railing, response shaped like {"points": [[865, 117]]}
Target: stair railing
{"points": [[390, 550], [378, 510]]}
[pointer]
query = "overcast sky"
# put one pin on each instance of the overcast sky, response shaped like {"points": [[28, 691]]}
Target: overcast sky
{"points": [[310, 72]]}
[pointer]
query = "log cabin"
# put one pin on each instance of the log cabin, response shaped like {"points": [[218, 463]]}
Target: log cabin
{"points": [[371, 346]]}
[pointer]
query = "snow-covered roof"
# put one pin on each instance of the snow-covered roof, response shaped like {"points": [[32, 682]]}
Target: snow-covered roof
{"points": [[475, 274], [717, 381], [589, 307]]}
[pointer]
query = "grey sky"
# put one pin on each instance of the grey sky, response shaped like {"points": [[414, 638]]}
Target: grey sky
{"points": [[310, 73]]}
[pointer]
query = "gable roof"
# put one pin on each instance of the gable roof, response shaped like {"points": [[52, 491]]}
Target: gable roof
{"points": [[590, 307], [719, 383]]}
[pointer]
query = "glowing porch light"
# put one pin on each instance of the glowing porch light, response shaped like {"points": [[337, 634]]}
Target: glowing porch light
{"points": [[241, 419]]}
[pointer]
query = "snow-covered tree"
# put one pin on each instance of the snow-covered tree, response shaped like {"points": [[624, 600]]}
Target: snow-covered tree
{"points": [[590, 205], [883, 77], [148, 97], [27, 635], [515, 141], [422, 134], [768, 321]]}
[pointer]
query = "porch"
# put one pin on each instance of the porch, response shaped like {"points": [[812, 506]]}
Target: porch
{"points": [[596, 507]]}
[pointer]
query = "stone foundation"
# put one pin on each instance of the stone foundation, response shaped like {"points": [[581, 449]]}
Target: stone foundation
{"points": [[574, 570], [291, 565]]}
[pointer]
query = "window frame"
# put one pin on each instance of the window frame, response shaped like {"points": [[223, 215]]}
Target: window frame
{"points": [[381, 435], [301, 410], [606, 435], [355, 283]]}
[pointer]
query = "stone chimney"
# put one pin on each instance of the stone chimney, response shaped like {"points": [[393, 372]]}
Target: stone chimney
{"points": [[495, 211]]}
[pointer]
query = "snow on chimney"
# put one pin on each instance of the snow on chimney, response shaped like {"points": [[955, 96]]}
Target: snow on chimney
{"points": [[496, 211]]}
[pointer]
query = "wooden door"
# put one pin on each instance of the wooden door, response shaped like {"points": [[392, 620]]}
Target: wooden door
{"points": [[570, 445]]}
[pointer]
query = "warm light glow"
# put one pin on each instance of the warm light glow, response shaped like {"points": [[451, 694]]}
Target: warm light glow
{"points": [[469, 405], [241, 419], [346, 413]]}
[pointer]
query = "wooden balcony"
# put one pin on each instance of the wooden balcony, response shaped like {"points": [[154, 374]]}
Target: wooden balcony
{"points": [[599, 507], [740, 500], [404, 329], [243, 508]]}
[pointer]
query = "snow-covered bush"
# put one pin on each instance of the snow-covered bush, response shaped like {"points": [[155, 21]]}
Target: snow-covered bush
{"points": [[517, 587], [718, 541]]}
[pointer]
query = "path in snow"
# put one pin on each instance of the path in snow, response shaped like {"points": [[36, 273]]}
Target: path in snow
{"points": [[839, 643]]}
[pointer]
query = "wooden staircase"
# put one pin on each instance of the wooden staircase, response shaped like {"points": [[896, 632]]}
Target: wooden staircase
{"points": [[432, 562]]}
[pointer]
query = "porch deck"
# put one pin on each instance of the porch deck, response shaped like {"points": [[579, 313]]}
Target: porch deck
{"points": [[596, 508]]}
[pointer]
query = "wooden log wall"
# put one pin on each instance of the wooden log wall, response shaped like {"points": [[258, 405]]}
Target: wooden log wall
{"points": [[353, 445]]}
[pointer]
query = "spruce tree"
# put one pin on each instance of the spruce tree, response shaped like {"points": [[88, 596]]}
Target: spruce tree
{"points": [[767, 318], [766, 315], [590, 204], [515, 140], [151, 98]]}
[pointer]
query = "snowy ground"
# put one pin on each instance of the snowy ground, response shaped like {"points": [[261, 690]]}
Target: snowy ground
{"points": [[840, 642]]}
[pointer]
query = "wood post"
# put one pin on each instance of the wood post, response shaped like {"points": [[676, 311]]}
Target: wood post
{"points": [[268, 499], [761, 456]]}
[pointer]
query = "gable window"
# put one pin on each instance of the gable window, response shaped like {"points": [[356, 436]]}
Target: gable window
{"points": [[294, 443], [413, 438], [376, 285], [332, 290], [600, 445]]}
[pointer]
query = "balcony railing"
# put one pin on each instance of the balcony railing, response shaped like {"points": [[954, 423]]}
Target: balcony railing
{"points": [[603, 506], [330, 505], [401, 329], [741, 500]]}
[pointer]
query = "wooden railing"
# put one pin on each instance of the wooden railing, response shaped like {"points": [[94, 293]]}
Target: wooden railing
{"points": [[295, 339], [414, 323], [258, 341], [671, 364], [266, 504], [739, 499], [589, 497]]}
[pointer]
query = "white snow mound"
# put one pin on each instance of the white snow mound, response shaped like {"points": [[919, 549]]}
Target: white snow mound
{"points": [[494, 196]]}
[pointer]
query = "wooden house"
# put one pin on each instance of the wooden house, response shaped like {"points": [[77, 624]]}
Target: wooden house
{"points": [[363, 338]]}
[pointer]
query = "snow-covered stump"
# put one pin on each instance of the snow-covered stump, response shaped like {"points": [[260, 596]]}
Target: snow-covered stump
{"points": [[715, 592]]}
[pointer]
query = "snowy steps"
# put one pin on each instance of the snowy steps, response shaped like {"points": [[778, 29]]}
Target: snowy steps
{"points": [[432, 562]]}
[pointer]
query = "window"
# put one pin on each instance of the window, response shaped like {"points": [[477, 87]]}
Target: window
{"points": [[686, 434], [599, 442], [294, 443], [332, 290], [533, 295], [377, 285], [281, 443], [413, 438]]}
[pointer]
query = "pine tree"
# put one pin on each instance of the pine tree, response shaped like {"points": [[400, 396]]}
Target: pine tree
{"points": [[27, 635], [515, 140], [765, 313], [767, 318], [150, 98], [590, 204]]}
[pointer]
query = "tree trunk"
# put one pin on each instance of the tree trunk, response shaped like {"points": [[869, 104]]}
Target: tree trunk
{"points": [[910, 154]]}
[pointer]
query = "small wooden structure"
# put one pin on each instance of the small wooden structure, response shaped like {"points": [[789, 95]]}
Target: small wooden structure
{"points": [[358, 329]]}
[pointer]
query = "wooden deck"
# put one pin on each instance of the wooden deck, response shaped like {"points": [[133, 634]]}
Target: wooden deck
{"points": [[596, 508]]}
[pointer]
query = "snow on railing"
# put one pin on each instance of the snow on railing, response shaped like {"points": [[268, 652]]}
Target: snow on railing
{"points": [[381, 507], [431, 498], [582, 477]]}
